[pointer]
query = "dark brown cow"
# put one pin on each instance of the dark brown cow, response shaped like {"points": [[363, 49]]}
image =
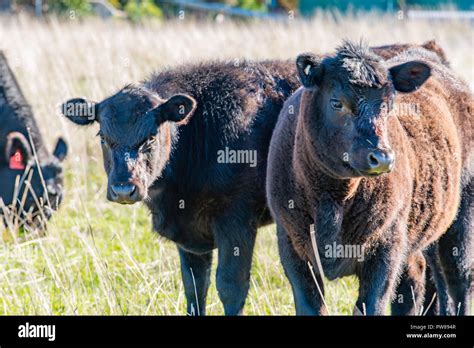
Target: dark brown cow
{"points": [[379, 165], [390, 51]]}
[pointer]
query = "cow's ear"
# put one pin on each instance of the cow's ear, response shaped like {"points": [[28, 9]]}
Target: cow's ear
{"points": [[433, 46], [60, 151], [81, 111], [17, 151], [310, 69], [408, 77], [178, 108]]}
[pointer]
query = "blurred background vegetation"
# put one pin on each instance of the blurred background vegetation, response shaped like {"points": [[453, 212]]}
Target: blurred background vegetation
{"points": [[98, 258], [137, 10]]}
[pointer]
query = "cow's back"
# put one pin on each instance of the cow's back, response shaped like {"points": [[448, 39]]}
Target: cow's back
{"points": [[237, 108], [15, 112]]}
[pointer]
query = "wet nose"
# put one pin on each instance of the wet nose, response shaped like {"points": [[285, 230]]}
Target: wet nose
{"points": [[380, 161], [123, 193]]}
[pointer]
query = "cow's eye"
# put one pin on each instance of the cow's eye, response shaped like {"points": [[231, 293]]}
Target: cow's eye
{"points": [[336, 104]]}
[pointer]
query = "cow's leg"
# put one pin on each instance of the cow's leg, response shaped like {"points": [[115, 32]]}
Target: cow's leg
{"points": [[455, 252], [235, 239], [378, 274], [435, 285], [195, 272], [411, 288], [305, 293]]}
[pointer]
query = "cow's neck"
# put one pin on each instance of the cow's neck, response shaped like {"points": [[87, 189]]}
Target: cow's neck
{"points": [[166, 142]]}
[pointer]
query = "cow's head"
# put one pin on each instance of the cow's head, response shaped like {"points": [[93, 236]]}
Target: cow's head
{"points": [[134, 134], [346, 104], [27, 187]]}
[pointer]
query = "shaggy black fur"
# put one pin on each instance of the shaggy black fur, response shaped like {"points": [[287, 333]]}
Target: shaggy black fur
{"points": [[196, 201]]}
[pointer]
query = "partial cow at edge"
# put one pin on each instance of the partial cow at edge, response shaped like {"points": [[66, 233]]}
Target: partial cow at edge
{"points": [[28, 200]]}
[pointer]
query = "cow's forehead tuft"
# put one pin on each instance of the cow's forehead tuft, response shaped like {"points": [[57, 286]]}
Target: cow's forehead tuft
{"points": [[363, 67]]}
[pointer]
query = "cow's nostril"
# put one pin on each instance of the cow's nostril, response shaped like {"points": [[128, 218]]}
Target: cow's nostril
{"points": [[380, 161], [123, 190], [373, 161]]}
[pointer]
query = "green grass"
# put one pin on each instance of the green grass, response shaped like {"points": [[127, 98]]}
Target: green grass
{"points": [[103, 258]]}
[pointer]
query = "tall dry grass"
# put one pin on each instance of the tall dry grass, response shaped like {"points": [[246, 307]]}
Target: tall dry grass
{"points": [[99, 258]]}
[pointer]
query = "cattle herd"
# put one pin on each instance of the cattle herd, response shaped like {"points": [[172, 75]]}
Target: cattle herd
{"points": [[363, 157]]}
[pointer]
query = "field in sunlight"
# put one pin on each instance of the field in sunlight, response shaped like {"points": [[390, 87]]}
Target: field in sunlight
{"points": [[101, 258]]}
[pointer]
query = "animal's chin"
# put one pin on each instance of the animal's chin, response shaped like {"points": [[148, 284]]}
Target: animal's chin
{"points": [[368, 175], [126, 202], [139, 196], [348, 172], [343, 172], [357, 173]]}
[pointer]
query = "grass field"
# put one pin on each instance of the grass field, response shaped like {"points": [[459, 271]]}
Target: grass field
{"points": [[102, 258]]}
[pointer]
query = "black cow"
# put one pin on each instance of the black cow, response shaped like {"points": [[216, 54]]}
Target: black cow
{"points": [[17, 158], [206, 190]]}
